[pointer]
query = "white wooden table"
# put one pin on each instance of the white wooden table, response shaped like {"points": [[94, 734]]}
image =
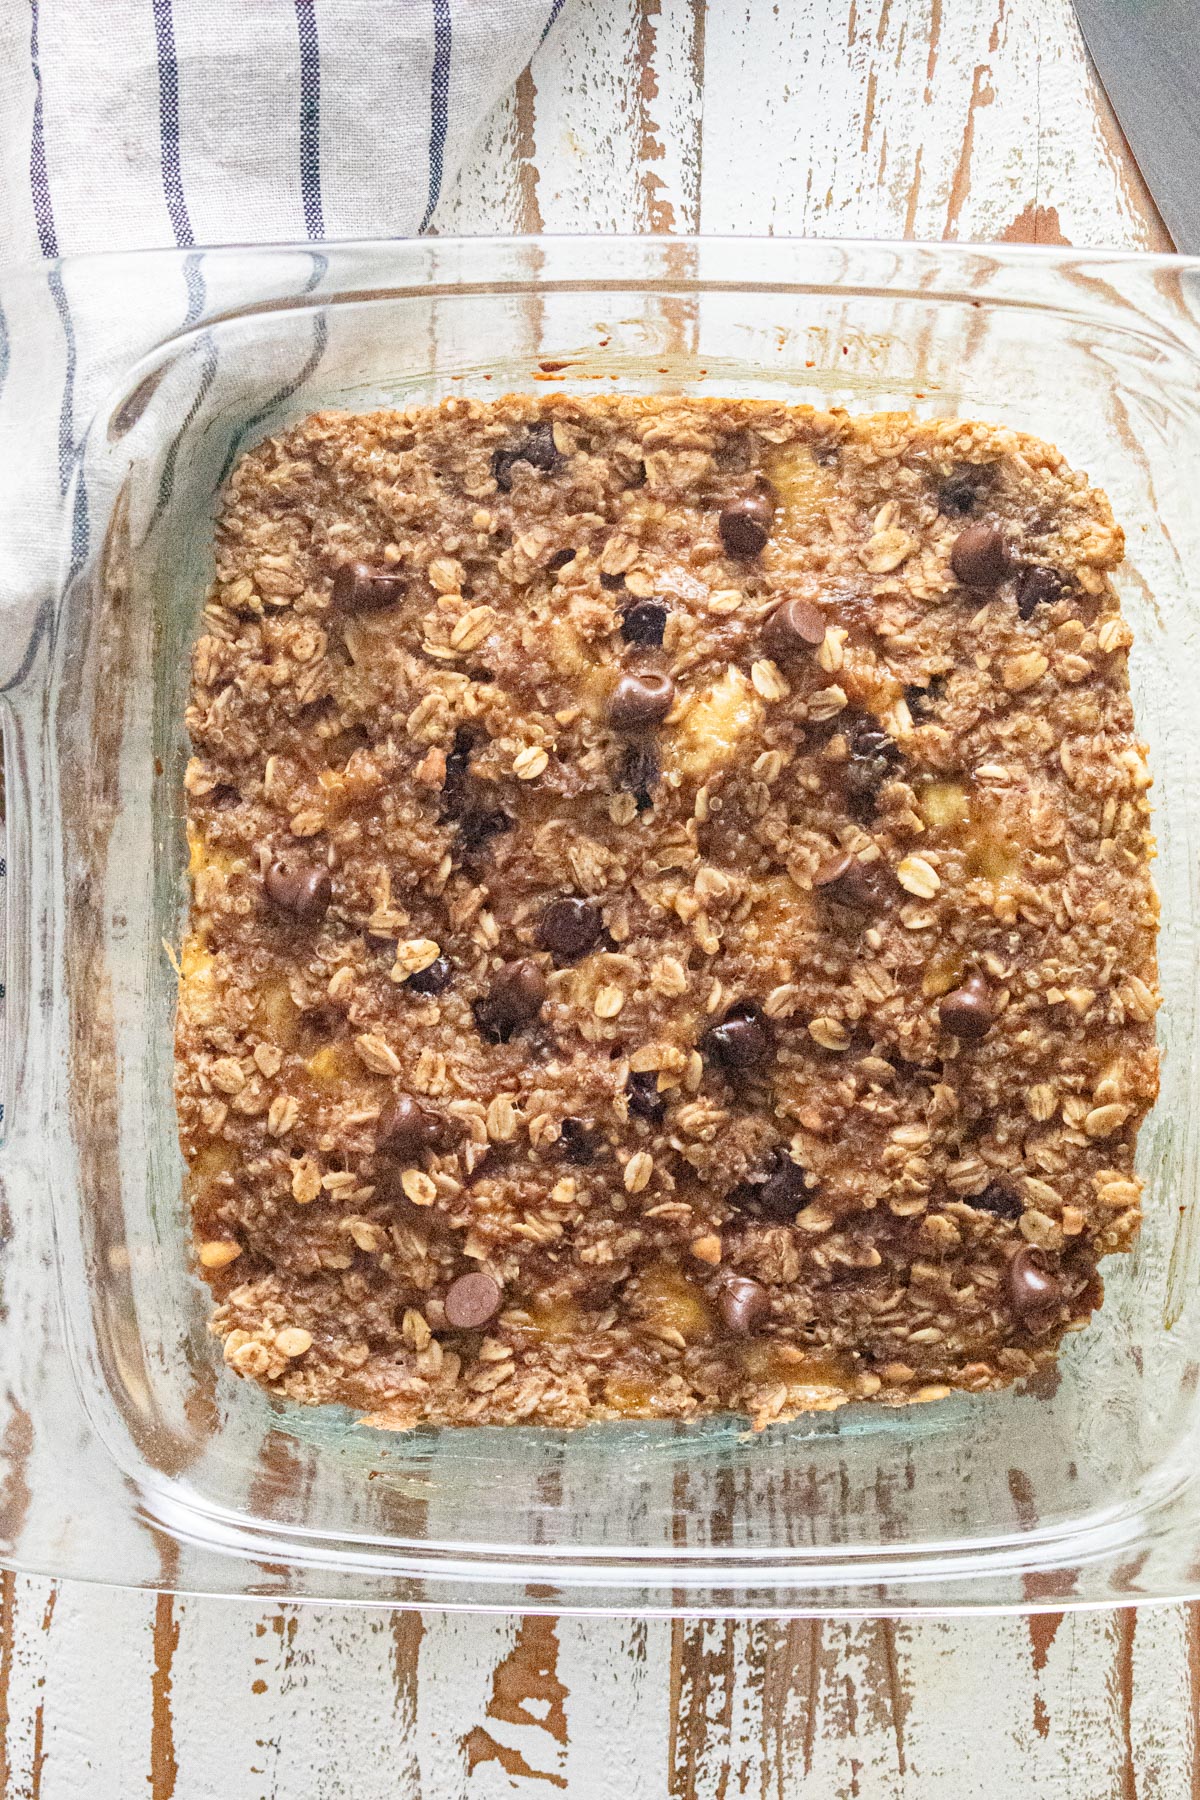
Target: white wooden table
{"points": [[922, 118]]}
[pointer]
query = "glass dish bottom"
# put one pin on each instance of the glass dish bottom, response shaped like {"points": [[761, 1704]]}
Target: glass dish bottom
{"points": [[127, 1453]]}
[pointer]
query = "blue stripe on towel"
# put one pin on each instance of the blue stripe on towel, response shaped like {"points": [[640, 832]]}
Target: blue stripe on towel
{"points": [[208, 373], [197, 290], [168, 125], [43, 211], [207, 349], [439, 109], [554, 12], [205, 346], [66, 411], [69, 454], [248, 427], [310, 117], [81, 524]]}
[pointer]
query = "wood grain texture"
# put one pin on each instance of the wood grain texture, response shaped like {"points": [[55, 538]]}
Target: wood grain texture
{"points": [[976, 119], [318, 1703]]}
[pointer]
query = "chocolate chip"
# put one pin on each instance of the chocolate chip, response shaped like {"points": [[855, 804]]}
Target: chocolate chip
{"points": [[639, 773], [357, 587], [577, 1143], [784, 1191], [922, 700], [734, 454], [569, 928], [540, 451], [514, 999], [612, 583], [472, 1300], [998, 1200], [744, 1305], [405, 1128], [777, 1192], [458, 767], [1032, 1288], [969, 1012], [645, 1101], [960, 490], [849, 881], [537, 448], [432, 980], [639, 702], [644, 623], [1037, 586], [302, 889], [872, 761], [980, 557], [741, 1040], [475, 828], [559, 560], [476, 824], [794, 627], [745, 524]]}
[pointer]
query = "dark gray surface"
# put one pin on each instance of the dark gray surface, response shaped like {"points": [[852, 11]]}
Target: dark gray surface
{"points": [[1147, 53]]}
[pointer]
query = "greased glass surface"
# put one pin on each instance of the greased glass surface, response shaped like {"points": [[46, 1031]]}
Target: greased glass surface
{"points": [[131, 1454]]}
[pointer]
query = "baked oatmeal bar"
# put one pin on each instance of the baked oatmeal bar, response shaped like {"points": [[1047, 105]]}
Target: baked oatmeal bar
{"points": [[672, 928]]}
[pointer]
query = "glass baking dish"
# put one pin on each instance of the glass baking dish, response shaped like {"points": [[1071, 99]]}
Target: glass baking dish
{"points": [[127, 1453]]}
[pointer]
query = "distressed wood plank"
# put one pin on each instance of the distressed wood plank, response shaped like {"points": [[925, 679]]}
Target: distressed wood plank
{"points": [[616, 1676], [793, 1709], [603, 133], [80, 1696], [334, 1710], [537, 1706], [838, 1716], [233, 1716], [1162, 1716], [927, 120], [318, 1701], [496, 189], [716, 1711]]}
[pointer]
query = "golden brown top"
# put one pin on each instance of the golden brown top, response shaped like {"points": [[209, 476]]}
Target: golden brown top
{"points": [[672, 926]]}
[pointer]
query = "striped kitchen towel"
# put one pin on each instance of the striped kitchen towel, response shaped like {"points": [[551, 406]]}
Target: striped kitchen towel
{"points": [[126, 123]]}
